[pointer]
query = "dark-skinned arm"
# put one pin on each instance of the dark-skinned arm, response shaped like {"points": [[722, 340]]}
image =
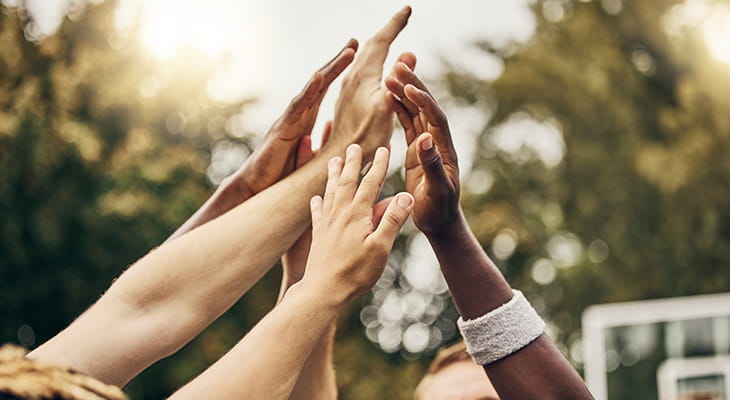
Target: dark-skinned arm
{"points": [[538, 370]]}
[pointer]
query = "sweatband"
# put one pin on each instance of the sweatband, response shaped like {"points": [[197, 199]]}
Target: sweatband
{"points": [[502, 331]]}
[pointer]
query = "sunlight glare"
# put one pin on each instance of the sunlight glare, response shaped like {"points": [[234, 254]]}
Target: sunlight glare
{"points": [[169, 25], [716, 31]]}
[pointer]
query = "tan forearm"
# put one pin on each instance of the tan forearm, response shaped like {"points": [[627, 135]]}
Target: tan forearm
{"points": [[181, 287], [267, 362]]}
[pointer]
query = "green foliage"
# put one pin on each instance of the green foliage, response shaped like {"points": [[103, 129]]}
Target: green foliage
{"points": [[92, 177], [643, 116]]}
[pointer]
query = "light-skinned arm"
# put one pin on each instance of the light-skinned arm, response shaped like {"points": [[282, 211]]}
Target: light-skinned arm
{"points": [[348, 254], [537, 371], [171, 294], [317, 378]]}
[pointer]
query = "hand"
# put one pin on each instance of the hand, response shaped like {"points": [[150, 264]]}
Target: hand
{"points": [[349, 250], [274, 158], [361, 114], [432, 171]]}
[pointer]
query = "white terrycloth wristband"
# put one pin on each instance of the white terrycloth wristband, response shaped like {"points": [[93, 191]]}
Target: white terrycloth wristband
{"points": [[502, 331]]}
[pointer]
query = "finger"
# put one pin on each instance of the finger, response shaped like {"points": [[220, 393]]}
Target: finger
{"points": [[376, 48], [409, 59], [431, 161], [379, 209], [334, 169], [304, 151], [395, 86], [405, 74], [339, 63], [305, 99], [315, 207], [433, 112], [403, 116], [326, 132], [371, 184], [394, 218], [347, 184]]}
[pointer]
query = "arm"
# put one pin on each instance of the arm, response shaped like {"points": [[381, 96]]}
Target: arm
{"points": [[171, 294], [348, 254], [317, 377], [273, 159], [537, 371]]}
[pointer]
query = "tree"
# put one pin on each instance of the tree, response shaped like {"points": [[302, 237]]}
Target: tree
{"points": [[635, 206]]}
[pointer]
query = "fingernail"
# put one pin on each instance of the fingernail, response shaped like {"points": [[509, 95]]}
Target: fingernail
{"points": [[404, 200], [351, 150], [381, 152], [315, 201], [427, 143]]}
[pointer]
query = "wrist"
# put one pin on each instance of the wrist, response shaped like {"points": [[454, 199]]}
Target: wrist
{"points": [[231, 192], [454, 227], [327, 298]]}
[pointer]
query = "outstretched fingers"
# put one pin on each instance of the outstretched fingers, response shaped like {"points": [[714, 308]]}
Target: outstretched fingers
{"points": [[313, 92], [334, 169], [376, 49], [435, 116], [334, 67], [305, 99], [347, 183], [404, 116], [371, 184], [404, 73]]}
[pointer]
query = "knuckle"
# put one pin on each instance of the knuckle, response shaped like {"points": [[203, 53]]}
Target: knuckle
{"points": [[345, 181], [433, 160], [394, 218]]}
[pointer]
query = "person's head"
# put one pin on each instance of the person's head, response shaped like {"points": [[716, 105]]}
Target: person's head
{"points": [[22, 379], [454, 376]]}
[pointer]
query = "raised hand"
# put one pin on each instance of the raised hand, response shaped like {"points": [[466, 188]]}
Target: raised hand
{"points": [[295, 259], [432, 171], [361, 114], [349, 249], [274, 158]]}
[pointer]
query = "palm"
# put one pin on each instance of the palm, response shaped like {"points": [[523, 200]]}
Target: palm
{"points": [[432, 201]]}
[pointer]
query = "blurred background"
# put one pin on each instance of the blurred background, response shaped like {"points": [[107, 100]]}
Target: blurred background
{"points": [[593, 139]]}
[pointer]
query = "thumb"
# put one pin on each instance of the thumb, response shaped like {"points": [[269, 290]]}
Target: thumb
{"points": [[430, 160], [379, 210], [394, 218]]}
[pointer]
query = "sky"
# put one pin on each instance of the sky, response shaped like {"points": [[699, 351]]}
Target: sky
{"points": [[272, 48]]}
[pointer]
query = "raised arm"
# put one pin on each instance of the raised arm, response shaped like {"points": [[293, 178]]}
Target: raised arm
{"points": [[348, 254], [166, 298], [273, 159], [538, 370], [317, 377]]}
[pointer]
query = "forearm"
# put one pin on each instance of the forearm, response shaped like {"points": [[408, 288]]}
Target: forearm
{"points": [[267, 362], [477, 286], [538, 370], [226, 196], [184, 285], [317, 379]]}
